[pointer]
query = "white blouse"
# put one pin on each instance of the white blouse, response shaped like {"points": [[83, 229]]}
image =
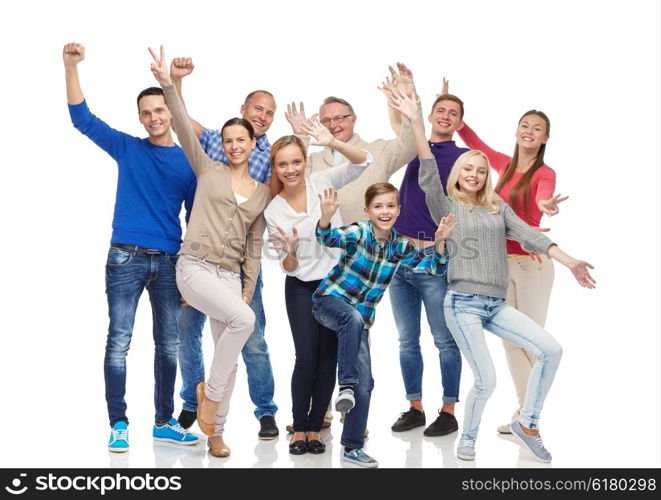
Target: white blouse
{"points": [[314, 260]]}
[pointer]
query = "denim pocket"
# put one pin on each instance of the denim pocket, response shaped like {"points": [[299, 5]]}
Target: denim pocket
{"points": [[173, 260], [118, 257]]}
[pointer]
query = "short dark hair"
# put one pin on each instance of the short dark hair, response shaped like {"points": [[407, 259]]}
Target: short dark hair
{"points": [[241, 123], [449, 97], [150, 91], [255, 92]]}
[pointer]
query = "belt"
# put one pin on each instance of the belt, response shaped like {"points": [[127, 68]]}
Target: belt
{"points": [[135, 248]]}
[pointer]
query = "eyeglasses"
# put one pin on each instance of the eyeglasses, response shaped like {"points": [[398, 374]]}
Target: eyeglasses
{"points": [[334, 119]]}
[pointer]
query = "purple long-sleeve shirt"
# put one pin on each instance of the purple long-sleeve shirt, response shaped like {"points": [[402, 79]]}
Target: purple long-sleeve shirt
{"points": [[415, 220]]}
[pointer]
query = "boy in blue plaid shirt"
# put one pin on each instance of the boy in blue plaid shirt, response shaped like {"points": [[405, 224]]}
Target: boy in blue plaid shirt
{"points": [[345, 300]]}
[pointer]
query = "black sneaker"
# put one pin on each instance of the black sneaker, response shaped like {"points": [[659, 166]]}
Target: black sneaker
{"points": [[444, 424], [409, 420], [268, 429], [187, 418]]}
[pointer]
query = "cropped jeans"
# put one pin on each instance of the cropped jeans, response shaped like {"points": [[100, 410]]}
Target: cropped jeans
{"points": [[468, 315]]}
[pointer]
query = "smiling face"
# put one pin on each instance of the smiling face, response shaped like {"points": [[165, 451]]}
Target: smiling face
{"points": [[473, 175], [289, 165], [259, 110], [383, 211], [532, 132], [445, 119], [338, 119], [237, 144], [154, 116]]}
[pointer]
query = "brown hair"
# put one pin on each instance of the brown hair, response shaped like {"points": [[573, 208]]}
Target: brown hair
{"points": [[524, 183], [284, 141], [332, 99], [379, 188], [449, 97], [239, 122]]}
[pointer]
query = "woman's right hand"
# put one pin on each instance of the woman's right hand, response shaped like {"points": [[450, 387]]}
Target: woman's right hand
{"points": [[283, 242], [320, 134], [404, 104], [160, 68]]}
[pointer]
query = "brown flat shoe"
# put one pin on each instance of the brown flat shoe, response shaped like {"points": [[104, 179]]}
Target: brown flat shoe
{"points": [[217, 447], [206, 427]]}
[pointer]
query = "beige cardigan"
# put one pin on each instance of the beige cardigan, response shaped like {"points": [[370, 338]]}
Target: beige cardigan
{"points": [[219, 230]]}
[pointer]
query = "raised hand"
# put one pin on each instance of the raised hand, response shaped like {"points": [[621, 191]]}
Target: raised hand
{"points": [[445, 227], [181, 67], [160, 68], [388, 85], [445, 90], [405, 104], [296, 117], [321, 135], [328, 203], [581, 273], [550, 206], [73, 53], [404, 80], [283, 242]]}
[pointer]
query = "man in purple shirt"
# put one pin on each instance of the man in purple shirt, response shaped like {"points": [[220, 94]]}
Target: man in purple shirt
{"points": [[410, 289]]}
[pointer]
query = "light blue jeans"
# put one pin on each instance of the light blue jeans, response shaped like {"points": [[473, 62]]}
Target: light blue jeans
{"points": [[408, 291], [468, 315]]}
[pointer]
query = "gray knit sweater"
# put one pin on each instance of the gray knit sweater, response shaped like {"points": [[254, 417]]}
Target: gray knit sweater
{"points": [[478, 255]]}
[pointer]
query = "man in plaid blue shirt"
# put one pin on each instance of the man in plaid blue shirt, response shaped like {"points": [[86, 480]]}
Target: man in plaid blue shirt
{"points": [[259, 109], [345, 300]]}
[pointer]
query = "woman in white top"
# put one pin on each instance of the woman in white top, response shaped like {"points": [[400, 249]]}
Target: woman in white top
{"points": [[291, 218]]}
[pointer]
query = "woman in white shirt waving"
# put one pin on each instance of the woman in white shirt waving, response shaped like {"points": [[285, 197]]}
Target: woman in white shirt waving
{"points": [[291, 218]]}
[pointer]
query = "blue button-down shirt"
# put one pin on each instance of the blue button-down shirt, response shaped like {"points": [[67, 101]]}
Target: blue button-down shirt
{"points": [[366, 267], [259, 166]]}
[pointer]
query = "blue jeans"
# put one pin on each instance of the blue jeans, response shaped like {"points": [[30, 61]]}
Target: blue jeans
{"points": [[354, 362], [408, 290], [467, 315], [255, 355], [128, 273]]}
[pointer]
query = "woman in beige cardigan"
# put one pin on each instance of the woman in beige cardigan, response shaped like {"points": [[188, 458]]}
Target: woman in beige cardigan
{"points": [[224, 235]]}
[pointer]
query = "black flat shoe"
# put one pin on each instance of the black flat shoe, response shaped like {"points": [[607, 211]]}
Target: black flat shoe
{"points": [[315, 446], [298, 447]]}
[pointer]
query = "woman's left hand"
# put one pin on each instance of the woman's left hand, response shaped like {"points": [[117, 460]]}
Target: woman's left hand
{"points": [[320, 134], [580, 270], [550, 206]]}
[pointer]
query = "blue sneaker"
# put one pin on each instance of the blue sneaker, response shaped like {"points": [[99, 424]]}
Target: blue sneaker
{"points": [[533, 443], [359, 458], [119, 438], [466, 449], [173, 432]]}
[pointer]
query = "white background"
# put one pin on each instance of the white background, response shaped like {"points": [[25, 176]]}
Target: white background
{"points": [[592, 66]]}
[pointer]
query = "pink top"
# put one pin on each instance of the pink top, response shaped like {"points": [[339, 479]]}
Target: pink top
{"points": [[542, 184]]}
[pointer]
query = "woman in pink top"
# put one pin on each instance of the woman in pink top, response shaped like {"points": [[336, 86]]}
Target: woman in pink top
{"points": [[527, 185]]}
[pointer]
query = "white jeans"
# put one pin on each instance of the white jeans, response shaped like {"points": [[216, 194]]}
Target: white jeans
{"points": [[217, 293]]}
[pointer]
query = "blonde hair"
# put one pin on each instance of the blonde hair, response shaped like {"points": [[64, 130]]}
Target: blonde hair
{"points": [[486, 195]]}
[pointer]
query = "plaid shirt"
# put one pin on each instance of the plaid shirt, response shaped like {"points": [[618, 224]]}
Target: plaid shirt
{"points": [[366, 267], [259, 166]]}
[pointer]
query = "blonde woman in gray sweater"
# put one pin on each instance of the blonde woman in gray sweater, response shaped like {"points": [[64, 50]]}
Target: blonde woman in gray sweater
{"points": [[477, 284]]}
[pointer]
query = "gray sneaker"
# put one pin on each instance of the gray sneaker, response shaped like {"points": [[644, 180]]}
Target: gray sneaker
{"points": [[359, 458], [533, 443], [466, 449], [345, 401]]}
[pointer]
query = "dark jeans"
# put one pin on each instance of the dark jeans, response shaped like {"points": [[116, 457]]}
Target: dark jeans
{"points": [[128, 273], [354, 362], [313, 378]]}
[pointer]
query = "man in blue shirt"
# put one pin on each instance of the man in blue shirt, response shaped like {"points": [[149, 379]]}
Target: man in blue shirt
{"points": [[154, 178], [259, 109]]}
